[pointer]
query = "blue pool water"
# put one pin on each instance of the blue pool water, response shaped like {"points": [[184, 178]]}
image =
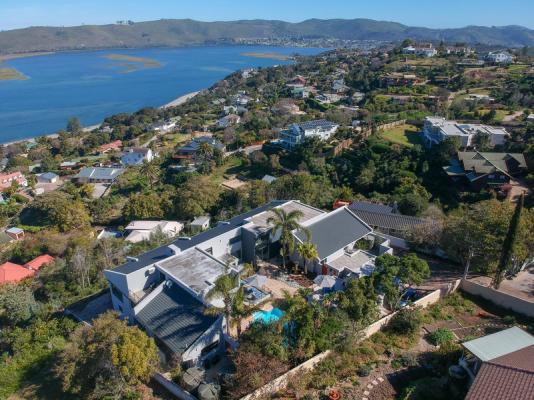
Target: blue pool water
{"points": [[268, 317], [91, 87]]}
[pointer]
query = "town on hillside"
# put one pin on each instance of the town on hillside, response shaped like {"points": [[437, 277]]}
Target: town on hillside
{"points": [[353, 225]]}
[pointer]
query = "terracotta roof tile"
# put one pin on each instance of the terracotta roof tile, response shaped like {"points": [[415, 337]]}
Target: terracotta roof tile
{"points": [[509, 377]]}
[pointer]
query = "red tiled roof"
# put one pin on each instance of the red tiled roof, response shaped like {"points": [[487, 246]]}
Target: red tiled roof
{"points": [[11, 272], [509, 377], [111, 146], [37, 263]]}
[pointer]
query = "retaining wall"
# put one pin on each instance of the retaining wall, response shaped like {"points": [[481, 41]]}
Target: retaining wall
{"points": [[501, 299], [282, 381]]}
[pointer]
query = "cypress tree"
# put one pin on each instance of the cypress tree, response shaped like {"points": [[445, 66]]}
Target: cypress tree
{"points": [[508, 245]]}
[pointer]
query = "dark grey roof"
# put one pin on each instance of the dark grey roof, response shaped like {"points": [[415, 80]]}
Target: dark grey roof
{"points": [[370, 207], [389, 220], [335, 231], [194, 145], [162, 252], [320, 123], [176, 318]]}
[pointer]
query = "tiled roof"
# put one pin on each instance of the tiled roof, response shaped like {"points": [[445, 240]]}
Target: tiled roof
{"points": [[509, 377], [485, 163], [176, 318], [38, 262], [387, 221], [371, 207], [11, 272]]}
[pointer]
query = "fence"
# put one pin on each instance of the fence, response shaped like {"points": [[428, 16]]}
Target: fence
{"points": [[282, 381], [501, 299]]}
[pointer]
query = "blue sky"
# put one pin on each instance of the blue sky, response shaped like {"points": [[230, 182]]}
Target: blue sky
{"points": [[430, 13]]}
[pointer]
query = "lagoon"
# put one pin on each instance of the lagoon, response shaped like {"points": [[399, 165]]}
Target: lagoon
{"points": [[92, 85]]}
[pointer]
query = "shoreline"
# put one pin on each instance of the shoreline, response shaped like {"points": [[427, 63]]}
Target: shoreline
{"points": [[174, 103]]}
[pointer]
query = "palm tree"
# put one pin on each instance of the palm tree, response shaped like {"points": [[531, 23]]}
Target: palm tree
{"points": [[234, 309], [308, 252], [205, 151], [240, 310], [285, 223], [151, 171]]}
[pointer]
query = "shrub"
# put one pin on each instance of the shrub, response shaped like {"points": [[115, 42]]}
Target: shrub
{"points": [[509, 320], [441, 336], [407, 321], [365, 370]]}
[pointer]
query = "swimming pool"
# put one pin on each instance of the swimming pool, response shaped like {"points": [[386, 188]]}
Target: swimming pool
{"points": [[267, 317]]}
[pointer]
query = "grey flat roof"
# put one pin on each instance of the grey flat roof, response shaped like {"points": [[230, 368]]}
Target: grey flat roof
{"points": [[162, 252], [335, 231], [499, 344], [194, 268], [176, 318], [353, 262]]}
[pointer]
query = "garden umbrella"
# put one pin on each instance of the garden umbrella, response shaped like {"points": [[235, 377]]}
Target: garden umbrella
{"points": [[325, 281], [256, 281]]}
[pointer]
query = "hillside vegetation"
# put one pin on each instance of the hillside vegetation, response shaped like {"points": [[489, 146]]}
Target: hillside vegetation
{"points": [[184, 32]]}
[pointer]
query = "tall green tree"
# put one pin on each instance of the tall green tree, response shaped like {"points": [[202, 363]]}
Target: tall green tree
{"points": [[508, 245], [285, 223], [107, 359], [308, 252]]}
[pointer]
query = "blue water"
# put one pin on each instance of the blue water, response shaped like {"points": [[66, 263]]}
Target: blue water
{"points": [[268, 317], [88, 86]]}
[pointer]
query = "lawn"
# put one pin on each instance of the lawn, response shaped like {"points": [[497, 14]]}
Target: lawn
{"points": [[406, 135]]}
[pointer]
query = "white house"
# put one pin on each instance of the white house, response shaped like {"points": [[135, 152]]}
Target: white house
{"points": [[165, 290], [420, 50], [47, 177], [200, 224], [499, 57], [227, 121], [437, 129], [137, 231], [136, 156], [297, 134]]}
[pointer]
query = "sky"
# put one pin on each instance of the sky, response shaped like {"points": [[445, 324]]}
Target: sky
{"points": [[429, 13]]}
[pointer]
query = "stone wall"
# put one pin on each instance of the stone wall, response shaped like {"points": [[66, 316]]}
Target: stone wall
{"points": [[501, 299]]}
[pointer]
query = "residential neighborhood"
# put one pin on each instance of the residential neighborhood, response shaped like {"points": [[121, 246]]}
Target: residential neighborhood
{"points": [[354, 222]]}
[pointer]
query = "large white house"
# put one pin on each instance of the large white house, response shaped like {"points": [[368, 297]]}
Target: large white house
{"points": [[137, 156], [165, 290], [499, 57], [297, 134], [437, 129]]}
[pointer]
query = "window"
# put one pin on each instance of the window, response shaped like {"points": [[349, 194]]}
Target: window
{"points": [[234, 240], [209, 251], [209, 348]]}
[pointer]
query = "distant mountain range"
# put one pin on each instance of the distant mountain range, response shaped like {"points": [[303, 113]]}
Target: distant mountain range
{"points": [[185, 32]]}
